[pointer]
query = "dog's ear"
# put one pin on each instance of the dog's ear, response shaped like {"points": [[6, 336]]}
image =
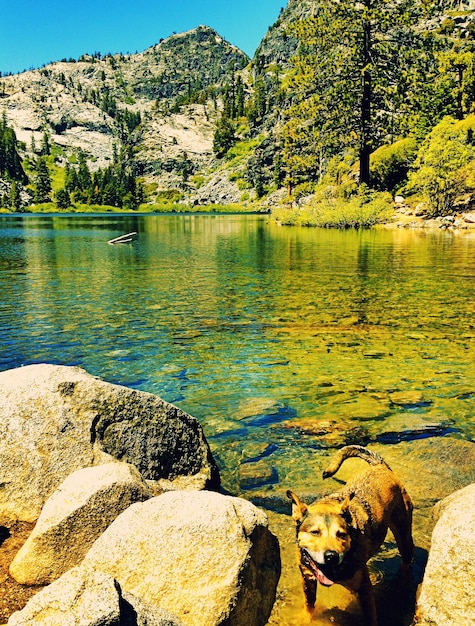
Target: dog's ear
{"points": [[299, 509], [345, 505]]}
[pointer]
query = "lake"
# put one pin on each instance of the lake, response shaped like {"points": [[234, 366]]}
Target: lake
{"points": [[283, 342]]}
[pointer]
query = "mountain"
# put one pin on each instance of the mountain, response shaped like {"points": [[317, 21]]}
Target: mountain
{"points": [[95, 104]]}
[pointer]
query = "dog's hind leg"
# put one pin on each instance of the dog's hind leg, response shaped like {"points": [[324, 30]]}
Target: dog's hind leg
{"points": [[401, 527]]}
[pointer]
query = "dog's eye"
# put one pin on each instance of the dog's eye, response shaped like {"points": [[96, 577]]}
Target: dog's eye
{"points": [[341, 534], [316, 532]]}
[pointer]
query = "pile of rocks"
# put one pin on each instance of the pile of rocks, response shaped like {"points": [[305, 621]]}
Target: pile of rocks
{"points": [[416, 217], [126, 532]]}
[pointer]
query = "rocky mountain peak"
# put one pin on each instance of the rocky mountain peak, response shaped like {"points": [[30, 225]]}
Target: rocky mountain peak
{"points": [[163, 101]]}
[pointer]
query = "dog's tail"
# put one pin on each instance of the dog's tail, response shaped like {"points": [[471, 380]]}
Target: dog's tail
{"points": [[353, 451]]}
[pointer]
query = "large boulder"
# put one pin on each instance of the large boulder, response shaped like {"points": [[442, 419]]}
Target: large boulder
{"points": [[83, 597], [75, 599], [205, 557], [138, 612], [56, 419], [77, 513], [447, 594]]}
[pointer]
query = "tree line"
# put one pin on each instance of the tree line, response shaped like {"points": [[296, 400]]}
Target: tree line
{"points": [[11, 167], [10, 161], [115, 185]]}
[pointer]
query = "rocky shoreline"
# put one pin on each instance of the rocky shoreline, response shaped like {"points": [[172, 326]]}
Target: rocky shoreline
{"points": [[126, 498], [129, 513], [416, 217]]}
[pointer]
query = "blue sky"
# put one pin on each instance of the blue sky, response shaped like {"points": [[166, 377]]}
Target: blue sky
{"points": [[36, 32]]}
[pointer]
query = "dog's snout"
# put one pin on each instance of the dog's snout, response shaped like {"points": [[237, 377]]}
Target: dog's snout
{"points": [[331, 557]]}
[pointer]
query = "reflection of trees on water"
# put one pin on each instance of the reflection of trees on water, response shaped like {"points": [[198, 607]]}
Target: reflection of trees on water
{"points": [[362, 295]]}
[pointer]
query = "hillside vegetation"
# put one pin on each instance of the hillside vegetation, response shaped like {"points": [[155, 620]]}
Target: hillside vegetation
{"points": [[343, 106]]}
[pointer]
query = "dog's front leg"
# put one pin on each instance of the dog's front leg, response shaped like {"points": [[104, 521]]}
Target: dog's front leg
{"points": [[366, 597], [309, 590]]}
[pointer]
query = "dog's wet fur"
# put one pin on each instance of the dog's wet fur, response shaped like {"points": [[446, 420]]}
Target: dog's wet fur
{"points": [[338, 534]]}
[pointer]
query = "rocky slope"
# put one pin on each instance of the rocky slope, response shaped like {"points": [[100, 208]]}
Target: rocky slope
{"points": [[174, 86]]}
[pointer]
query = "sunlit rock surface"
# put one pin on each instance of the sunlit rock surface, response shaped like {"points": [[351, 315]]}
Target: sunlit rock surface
{"points": [[447, 596], [55, 420], [83, 506], [205, 557]]}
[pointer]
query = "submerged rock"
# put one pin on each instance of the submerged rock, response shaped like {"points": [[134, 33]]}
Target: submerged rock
{"points": [[367, 408], [256, 450], [409, 426], [431, 468], [409, 398], [256, 474]]}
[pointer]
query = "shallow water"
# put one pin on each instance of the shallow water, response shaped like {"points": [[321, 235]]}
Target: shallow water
{"points": [[284, 343]]}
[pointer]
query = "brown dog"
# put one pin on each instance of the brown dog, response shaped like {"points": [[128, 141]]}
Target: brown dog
{"points": [[339, 533]]}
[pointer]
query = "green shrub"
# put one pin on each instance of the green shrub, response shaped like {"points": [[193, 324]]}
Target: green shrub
{"points": [[330, 209], [243, 148], [342, 172], [198, 180], [169, 195], [447, 27], [443, 168], [390, 164], [360, 211], [303, 189], [150, 188]]}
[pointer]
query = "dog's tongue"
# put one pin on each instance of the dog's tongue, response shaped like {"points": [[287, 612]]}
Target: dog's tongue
{"points": [[322, 579], [319, 575]]}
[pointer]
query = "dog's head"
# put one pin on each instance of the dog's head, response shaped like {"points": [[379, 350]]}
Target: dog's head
{"points": [[323, 535]]}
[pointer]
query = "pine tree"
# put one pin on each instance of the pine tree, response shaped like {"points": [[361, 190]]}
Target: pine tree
{"points": [[224, 135], [10, 161], [239, 112], [71, 179], [344, 93], [15, 196], [42, 182], [45, 145], [63, 199], [257, 107], [83, 173]]}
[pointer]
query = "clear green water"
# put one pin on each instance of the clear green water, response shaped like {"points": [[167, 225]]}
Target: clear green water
{"points": [[284, 343]]}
